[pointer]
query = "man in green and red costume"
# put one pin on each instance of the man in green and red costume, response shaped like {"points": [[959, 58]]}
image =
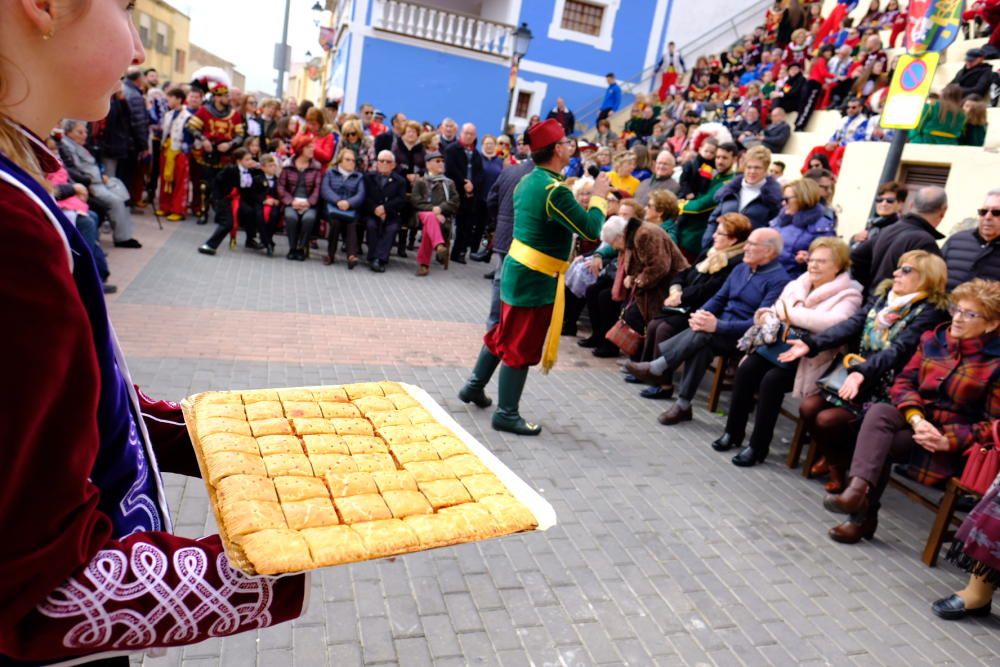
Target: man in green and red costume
{"points": [[546, 216]]}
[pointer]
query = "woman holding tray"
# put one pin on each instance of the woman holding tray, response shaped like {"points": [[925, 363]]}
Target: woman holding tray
{"points": [[91, 567]]}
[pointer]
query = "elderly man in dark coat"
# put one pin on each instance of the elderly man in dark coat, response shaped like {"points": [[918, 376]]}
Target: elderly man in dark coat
{"points": [[385, 196], [975, 253]]}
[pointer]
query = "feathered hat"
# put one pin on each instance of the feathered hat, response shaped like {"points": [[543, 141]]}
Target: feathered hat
{"points": [[213, 80]]}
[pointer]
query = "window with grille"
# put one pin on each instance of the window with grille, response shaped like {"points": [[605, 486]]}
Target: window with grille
{"points": [[582, 17], [162, 38], [180, 61], [523, 104], [916, 176]]}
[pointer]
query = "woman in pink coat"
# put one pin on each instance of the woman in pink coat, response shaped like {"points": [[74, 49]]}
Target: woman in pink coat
{"points": [[821, 297]]}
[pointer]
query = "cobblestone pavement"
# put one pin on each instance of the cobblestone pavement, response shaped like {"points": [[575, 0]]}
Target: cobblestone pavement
{"points": [[665, 554]]}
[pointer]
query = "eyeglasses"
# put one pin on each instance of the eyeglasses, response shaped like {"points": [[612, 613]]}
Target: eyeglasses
{"points": [[983, 212], [722, 234], [906, 269], [962, 313], [818, 260], [787, 199], [886, 200]]}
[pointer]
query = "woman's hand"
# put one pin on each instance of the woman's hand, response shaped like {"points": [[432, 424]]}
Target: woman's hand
{"points": [[797, 350], [343, 205], [596, 264], [851, 386], [929, 437], [672, 301], [628, 282]]}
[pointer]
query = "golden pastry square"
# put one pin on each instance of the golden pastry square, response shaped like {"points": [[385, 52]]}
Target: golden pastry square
{"points": [[292, 489], [302, 409], [311, 513], [245, 487], [483, 485], [295, 394], [373, 462], [259, 395], [279, 444], [433, 430], [365, 444], [276, 551], [389, 387], [218, 398], [366, 507], [419, 415], [403, 401], [449, 446], [228, 442], [393, 418], [373, 404], [212, 425], [445, 492], [226, 464], [387, 537], [406, 503], [248, 516], [274, 426], [428, 471], [334, 410], [228, 410], [346, 484], [325, 444], [337, 463], [396, 480], [474, 522], [264, 410], [312, 426], [464, 465], [401, 435], [435, 530], [330, 395], [414, 451], [288, 464], [511, 514], [334, 545], [352, 427], [362, 389]]}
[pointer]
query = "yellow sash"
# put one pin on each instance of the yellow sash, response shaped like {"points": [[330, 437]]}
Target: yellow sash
{"points": [[169, 162], [551, 266]]}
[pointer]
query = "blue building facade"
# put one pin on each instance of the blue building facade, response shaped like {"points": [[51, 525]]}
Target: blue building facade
{"points": [[436, 58]]}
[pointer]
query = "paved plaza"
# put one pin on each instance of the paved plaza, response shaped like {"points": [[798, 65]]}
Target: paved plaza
{"points": [[664, 552]]}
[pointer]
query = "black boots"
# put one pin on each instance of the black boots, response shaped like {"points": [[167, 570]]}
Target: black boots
{"points": [[474, 390], [507, 418]]}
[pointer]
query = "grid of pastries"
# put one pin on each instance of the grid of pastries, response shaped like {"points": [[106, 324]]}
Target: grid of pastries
{"points": [[307, 478]]}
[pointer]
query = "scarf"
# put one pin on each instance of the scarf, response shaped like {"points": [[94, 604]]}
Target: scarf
{"points": [[719, 259], [884, 323], [343, 173], [433, 180]]}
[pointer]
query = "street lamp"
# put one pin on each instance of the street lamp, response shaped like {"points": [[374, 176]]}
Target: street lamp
{"points": [[522, 40]]}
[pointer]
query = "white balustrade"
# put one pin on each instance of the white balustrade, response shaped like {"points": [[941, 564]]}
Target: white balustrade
{"points": [[438, 25]]}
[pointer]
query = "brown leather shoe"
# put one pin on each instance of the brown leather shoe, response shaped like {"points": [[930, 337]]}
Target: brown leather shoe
{"points": [[675, 415], [820, 468], [640, 369], [837, 477], [851, 532], [327, 260], [853, 500], [423, 270]]}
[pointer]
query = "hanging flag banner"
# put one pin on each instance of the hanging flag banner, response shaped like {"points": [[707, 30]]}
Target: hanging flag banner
{"points": [[932, 25], [908, 91], [326, 38]]}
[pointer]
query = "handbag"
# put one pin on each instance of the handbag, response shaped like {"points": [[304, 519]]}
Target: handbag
{"points": [[579, 278], [335, 213], [780, 346], [624, 337], [982, 464], [831, 382]]}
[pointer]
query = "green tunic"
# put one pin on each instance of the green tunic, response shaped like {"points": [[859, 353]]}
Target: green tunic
{"points": [[546, 215], [693, 220], [934, 130]]}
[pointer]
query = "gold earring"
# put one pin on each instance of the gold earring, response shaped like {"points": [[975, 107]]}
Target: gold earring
{"points": [[46, 37]]}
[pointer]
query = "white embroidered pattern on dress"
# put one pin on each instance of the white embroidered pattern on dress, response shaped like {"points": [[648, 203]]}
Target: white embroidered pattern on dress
{"points": [[136, 500], [174, 615]]}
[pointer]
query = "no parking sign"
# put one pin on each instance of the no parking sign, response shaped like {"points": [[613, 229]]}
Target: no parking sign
{"points": [[909, 89]]}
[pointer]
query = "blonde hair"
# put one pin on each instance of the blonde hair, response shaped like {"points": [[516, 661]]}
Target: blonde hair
{"points": [[984, 292], [759, 153], [340, 155], [807, 192], [15, 145], [352, 125], [838, 248], [623, 157], [933, 272]]}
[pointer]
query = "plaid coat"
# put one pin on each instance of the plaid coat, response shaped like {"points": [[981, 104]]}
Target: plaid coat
{"points": [[953, 383]]}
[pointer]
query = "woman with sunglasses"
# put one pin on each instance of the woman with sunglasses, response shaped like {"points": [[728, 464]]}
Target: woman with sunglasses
{"points": [[803, 219], [889, 201], [942, 403], [90, 563], [351, 136], [885, 333]]}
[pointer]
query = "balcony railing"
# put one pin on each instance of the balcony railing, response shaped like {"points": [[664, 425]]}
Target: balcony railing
{"points": [[464, 31]]}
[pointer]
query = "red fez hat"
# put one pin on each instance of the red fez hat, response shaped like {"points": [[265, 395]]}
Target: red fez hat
{"points": [[545, 134], [300, 142]]}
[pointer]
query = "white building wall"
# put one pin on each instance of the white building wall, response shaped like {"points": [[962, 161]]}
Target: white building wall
{"points": [[727, 19]]}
